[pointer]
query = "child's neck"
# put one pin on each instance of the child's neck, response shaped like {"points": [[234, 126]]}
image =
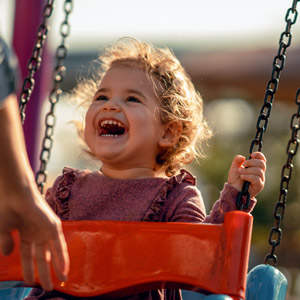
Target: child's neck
{"points": [[132, 173]]}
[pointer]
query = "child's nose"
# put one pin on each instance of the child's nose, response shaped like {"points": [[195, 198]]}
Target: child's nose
{"points": [[111, 105]]}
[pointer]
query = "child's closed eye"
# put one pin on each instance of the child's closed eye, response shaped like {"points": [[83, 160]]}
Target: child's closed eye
{"points": [[100, 98], [133, 99]]}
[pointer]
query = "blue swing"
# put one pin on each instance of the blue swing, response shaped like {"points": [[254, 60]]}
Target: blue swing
{"points": [[263, 282], [13, 290]]}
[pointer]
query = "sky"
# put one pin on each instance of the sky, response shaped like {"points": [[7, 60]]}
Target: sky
{"points": [[191, 23], [198, 24]]}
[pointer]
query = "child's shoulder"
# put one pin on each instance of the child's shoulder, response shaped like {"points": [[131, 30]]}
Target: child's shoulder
{"points": [[70, 175], [184, 176], [181, 185], [73, 172]]}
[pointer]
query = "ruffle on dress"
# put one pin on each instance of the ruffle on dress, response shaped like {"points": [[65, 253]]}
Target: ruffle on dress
{"points": [[153, 214], [63, 190]]}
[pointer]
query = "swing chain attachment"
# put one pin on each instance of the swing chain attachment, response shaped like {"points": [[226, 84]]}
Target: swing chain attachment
{"points": [[35, 60], [58, 76], [271, 89], [286, 173]]}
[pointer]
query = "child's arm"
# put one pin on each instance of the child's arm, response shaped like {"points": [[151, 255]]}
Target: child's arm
{"points": [[252, 170]]}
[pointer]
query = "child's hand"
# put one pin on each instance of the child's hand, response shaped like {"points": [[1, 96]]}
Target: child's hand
{"points": [[252, 170]]}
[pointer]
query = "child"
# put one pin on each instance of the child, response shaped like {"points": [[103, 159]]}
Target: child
{"points": [[143, 122]]}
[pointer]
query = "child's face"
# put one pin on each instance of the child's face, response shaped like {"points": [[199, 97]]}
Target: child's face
{"points": [[123, 125]]}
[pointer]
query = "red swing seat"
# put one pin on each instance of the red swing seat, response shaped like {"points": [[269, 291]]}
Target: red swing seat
{"points": [[116, 259]]}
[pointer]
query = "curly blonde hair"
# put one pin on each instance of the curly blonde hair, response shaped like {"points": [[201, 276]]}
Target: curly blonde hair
{"points": [[179, 102]]}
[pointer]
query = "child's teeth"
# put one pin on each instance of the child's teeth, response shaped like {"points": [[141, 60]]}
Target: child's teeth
{"points": [[113, 135], [111, 122]]}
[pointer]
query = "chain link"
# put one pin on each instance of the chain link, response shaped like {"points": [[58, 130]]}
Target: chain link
{"points": [[286, 174], [35, 60], [271, 89], [58, 76]]}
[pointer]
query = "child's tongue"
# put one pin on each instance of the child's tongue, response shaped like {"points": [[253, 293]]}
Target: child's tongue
{"points": [[112, 129]]}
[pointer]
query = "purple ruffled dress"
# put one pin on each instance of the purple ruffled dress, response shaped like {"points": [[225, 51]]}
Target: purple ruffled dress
{"points": [[86, 195]]}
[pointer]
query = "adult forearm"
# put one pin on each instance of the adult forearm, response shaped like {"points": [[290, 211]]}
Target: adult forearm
{"points": [[22, 207], [15, 172]]}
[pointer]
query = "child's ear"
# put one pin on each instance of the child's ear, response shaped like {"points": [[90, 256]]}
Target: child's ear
{"points": [[171, 134]]}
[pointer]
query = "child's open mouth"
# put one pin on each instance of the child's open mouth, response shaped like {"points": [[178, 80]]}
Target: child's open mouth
{"points": [[111, 128]]}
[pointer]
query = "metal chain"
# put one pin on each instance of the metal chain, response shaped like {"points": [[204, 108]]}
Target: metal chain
{"points": [[58, 76], [35, 60], [286, 173], [271, 89]]}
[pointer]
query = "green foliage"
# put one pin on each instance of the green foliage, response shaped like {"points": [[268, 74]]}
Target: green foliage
{"points": [[213, 170]]}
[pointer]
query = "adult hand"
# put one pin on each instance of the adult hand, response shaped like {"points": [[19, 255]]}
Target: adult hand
{"points": [[41, 236], [252, 170]]}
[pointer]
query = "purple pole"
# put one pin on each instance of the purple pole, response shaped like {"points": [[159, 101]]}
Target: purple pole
{"points": [[28, 17]]}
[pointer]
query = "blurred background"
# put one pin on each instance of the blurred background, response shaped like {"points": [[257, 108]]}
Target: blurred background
{"points": [[227, 47]]}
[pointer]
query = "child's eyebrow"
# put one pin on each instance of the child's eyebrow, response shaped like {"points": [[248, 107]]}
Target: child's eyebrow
{"points": [[136, 92], [103, 90]]}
